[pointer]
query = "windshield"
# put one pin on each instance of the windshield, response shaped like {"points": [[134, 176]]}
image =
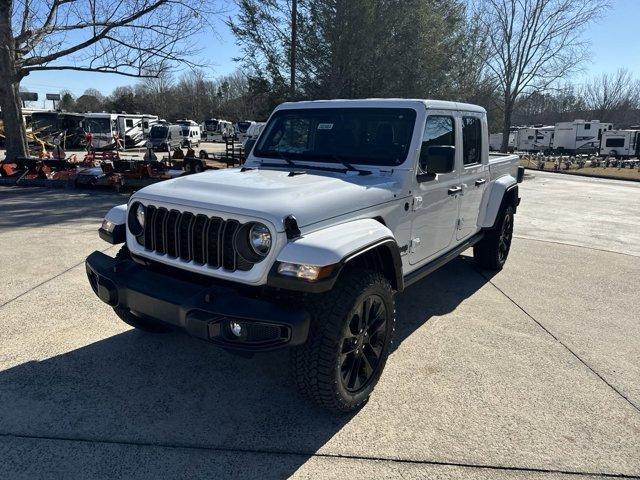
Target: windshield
{"points": [[243, 126], [211, 125], [97, 125], [44, 121], [368, 136], [158, 131]]}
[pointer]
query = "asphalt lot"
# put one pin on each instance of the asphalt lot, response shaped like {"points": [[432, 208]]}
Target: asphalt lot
{"points": [[533, 373]]}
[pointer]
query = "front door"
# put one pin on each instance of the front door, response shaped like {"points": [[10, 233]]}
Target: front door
{"points": [[435, 201], [474, 174]]}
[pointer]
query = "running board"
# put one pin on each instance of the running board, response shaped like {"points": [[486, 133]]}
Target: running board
{"points": [[432, 266]]}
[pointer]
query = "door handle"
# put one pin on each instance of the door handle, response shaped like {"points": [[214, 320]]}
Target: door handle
{"points": [[480, 181], [454, 190]]}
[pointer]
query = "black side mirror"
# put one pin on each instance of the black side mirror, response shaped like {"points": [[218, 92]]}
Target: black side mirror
{"points": [[436, 159]]}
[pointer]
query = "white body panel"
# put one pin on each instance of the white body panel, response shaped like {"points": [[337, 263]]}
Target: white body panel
{"points": [[340, 211], [117, 215], [330, 245]]}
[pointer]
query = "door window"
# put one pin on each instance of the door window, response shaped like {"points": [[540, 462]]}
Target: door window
{"points": [[438, 131], [471, 140]]}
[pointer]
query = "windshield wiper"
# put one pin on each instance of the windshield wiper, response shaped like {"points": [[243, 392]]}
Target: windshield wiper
{"points": [[349, 166], [281, 156]]}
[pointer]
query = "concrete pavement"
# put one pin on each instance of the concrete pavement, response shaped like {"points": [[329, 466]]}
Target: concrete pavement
{"points": [[531, 373]]}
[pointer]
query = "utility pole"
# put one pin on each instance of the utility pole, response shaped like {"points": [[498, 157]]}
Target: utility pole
{"points": [[294, 40]]}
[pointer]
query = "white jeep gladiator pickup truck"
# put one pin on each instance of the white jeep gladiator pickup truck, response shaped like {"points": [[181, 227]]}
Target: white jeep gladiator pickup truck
{"points": [[340, 205]]}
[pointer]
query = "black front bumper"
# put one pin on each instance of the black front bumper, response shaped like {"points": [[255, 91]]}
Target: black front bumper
{"points": [[206, 311]]}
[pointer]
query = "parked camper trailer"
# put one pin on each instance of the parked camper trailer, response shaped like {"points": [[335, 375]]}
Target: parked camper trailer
{"points": [[534, 139], [620, 143], [111, 130], [579, 136], [217, 130], [495, 140], [190, 133]]}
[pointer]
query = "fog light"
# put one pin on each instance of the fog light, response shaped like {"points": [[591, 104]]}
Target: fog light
{"points": [[237, 329]]}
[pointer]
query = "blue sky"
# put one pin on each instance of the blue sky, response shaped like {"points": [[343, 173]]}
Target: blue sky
{"points": [[614, 44]]}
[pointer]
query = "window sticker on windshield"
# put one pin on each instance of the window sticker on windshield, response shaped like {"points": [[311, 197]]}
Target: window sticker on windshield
{"points": [[325, 126]]}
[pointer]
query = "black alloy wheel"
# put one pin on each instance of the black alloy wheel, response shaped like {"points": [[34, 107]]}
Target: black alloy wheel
{"points": [[363, 343]]}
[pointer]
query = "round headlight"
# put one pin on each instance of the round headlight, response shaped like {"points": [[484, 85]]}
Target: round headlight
{"points": [[140, 214], [260, 239], [136, 219]]}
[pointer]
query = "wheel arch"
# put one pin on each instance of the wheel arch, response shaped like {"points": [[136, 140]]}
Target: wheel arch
{"points": [[503, 192], [364, 243]]}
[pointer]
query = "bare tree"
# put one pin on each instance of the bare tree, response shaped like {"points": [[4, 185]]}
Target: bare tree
{"points": [[613, 97], [137, 38], [534, 43]]}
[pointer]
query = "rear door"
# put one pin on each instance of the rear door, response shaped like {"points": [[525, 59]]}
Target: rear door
{"points": [[435, 203], [474, 172]]}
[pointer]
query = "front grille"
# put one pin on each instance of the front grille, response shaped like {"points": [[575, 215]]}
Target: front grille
{"points": [[198, 238]]}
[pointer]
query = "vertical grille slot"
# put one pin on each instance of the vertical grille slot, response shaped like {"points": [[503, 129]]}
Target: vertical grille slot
{"points": [[214, 231], [228, 250], [149, 214], [185, 235], [159, 230], [171, 226], [199, 239]]}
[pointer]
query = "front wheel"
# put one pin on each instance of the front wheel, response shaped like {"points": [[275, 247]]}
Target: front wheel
{"points": [[349, 341], [492, 251]]}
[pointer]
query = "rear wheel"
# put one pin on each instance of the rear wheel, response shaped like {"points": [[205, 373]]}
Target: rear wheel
{"points": [[492, 251], [197, 167], [130, 318], [349, 341]]}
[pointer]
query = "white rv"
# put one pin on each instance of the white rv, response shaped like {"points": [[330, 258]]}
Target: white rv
{"points": [[126, 130], [190, 133], [579, 136], [216, 130], [534, 139], [495, 140], [620, 143]]}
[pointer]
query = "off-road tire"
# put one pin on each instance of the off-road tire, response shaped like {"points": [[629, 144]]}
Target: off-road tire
{"points": [[316, 365], [492, 251], [134, 320], [197, 167]]}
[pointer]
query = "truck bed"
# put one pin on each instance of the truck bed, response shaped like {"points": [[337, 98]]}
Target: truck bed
{"points": [[501, 164]]}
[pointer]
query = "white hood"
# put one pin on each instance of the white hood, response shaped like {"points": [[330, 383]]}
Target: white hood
{"points": [[272, 194]]}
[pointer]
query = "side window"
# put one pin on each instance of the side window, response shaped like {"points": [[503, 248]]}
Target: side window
{"points": [[439, 131], [129, 123], [471, 140]]}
